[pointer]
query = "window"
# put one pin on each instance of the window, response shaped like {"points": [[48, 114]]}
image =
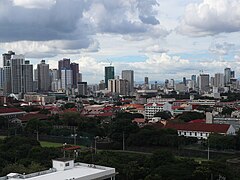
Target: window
{"points": [[185, 133], [200, 134], [67, 164], [195, 134], [190, 133]]}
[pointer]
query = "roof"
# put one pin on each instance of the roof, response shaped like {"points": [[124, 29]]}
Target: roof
{"points": [[154, 104], [198, 121], [9, 110], [139, 120], [30, 116], [72, 148], [213, 128]]}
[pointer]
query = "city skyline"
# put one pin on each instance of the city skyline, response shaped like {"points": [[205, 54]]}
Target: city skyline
{"points": [[145, 36]]}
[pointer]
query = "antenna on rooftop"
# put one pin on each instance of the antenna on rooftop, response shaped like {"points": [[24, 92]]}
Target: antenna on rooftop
{"points": [[110, 62]]}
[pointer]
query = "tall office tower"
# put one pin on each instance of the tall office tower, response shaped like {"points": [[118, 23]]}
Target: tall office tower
{"points": [[109, 74], [232, 74], [43, 76], [171, 83], [53, 74], [203, 83], [75, 72], [118, 86], [129, 75], [27, 72], [35, 77], [1, 78], [63, 64], [66, 79], [219, 80], [212, 81], [166, 83], [184, 81], [7, 58], [101, 85], [79, 79], [227, 76], [146, 80], [7, 88], [82, 88], [16, 73]]}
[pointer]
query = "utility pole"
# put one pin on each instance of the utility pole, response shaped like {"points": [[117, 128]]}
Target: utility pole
{"points": [[208, 150], [123, 141]]}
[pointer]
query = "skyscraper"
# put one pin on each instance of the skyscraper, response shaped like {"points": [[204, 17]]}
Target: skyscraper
{"points": [[146, 81], [66, 79], [118, 86], [109, 74], [227, 76], [27, 72], [7, 58], [219, 80], [129, 76], [204, 83], [1, 78], [75, 73], [63, 64], [43, 76], [82, 88], [17, 73]]}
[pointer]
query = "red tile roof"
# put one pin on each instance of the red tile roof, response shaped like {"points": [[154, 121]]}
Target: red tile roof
{"points": [[213, 128], [30, 116], [9, 110], [72, 148], [104, 114], [139, 120], [198, 121]]}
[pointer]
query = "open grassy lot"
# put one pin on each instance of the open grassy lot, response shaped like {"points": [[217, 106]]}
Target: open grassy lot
{"points": [[50, 144], [2, 137]]}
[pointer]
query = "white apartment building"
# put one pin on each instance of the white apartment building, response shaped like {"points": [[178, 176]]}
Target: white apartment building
{"points": [[152, 108]]}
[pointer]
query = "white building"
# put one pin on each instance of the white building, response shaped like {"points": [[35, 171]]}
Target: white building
{"points": [[219, 80], [159, 99], [203, 83], [201, 130], [66, 169], [129, 76], [119, 86], [152, 108]]}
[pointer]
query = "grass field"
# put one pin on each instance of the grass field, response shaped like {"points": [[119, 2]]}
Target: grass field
{"points": [[50, 144], [2, 137]]}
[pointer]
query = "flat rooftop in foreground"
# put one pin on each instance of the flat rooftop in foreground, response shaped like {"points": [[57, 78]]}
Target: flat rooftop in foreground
{"points": [[76, 171]]}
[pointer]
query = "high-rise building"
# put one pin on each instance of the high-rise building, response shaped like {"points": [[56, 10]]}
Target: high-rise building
{"points": [[35, 75], [27, 72], [17, 73], [63, 64], [203, 83], [146, 80], [43, 76], [1, 78], [7, 88], [184, 81], [227, 76], [129, 76], [7, 58], [82, 88], [118, 86], [109, 74], [219, 80], [66, 79], [171, 83], [232, 74], [75, 73]]}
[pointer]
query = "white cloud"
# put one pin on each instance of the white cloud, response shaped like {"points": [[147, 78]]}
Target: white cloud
{"points": [[211, 17], [34, 3]]}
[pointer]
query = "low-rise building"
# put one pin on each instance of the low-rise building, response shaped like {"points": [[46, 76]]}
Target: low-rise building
{"points": [[152, 108], [66, 169], [200, 130]]}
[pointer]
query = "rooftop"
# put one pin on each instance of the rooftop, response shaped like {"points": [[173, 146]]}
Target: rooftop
{"points": [[79, 171]]}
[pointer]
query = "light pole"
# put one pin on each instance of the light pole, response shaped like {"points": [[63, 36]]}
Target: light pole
{"points": [[208, 156], [74, 136], [95, 143], [64, 153], [123, 141]]}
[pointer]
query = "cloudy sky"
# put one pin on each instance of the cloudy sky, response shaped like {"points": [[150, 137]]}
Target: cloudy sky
{"points": [[161, 39]]}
